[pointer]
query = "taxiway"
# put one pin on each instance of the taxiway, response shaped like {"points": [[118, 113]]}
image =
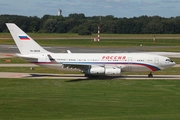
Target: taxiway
{"points": [[81, 76]]}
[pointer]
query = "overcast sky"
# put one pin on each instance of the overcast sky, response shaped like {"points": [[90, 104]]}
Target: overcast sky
{"points": [[117, 8]]}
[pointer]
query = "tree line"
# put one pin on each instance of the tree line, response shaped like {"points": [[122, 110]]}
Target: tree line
{"points": [[79, 23]]}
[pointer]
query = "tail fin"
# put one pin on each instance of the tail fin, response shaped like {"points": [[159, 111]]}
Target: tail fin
{"points": [[25, 44]]}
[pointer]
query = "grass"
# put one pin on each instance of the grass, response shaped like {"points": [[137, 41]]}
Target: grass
{"points": [[13, 60], [89, 99], [55, 35], [37, 70], [163, 45], [108, 40], [49, 99]]}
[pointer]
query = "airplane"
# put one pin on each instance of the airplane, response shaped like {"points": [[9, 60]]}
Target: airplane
{"points": [[91, 64]]}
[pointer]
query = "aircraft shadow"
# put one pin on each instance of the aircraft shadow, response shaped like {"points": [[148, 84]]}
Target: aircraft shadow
{"points": [[78, 77], [95, 78], [73, 78], [51, 75]]}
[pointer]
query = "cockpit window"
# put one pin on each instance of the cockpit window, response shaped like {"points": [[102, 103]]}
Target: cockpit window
{"points": [[169, 60]]}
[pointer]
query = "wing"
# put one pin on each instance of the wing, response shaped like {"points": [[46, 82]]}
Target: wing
{"points": [[81, 66], [84, 66], [76, 66], [70, 65]]}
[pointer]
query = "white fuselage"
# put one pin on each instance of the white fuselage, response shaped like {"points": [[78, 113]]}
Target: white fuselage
{"points": [[124, 61]]}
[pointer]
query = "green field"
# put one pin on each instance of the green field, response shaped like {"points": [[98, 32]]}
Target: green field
{"points": [[103, 43], [89, 99], [96, 99], [67, 35], [107, 40]]}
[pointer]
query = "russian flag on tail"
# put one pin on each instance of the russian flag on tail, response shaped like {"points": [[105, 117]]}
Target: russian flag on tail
{"points": [[24, 37]]}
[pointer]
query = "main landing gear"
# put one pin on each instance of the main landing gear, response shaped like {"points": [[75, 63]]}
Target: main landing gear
{"points": [[91, 76], [150, 74]]}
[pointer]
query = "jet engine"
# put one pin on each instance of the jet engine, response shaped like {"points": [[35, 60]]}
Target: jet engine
{"points": [[103, 70], [112, 71]]}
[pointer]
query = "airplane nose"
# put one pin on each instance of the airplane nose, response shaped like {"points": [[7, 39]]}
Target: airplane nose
{"points": [[169, 64], [172, 64]]}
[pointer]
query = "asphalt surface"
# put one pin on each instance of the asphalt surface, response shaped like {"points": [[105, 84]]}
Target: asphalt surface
{"points": [[13, 49], [81, 76]]}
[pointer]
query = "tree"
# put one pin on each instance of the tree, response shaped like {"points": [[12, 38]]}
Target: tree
{"points": [[78, 23], [61, 27], [50, 25], [84, 32], [77, 16]]}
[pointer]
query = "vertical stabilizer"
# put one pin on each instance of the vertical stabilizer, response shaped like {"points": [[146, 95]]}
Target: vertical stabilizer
{"points": [[25, 44]]}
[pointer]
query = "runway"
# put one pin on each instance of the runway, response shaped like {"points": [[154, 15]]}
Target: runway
{"points": [[59, 49], [56, 49], [81, 76]]}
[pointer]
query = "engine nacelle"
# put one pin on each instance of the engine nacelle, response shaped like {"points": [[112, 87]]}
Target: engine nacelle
{"points": [[102, 70], [96, 70], [112, 71]]}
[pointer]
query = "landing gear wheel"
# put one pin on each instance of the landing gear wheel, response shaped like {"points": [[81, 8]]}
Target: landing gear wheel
{"points": [[86, 75], [91, 76], [150, 74]]}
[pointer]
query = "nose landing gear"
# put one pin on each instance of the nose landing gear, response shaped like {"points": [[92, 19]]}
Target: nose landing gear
{"points": [[150, 74]]}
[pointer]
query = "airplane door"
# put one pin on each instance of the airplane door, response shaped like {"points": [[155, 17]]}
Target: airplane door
{"points": [[156, 60], [129, 63]]}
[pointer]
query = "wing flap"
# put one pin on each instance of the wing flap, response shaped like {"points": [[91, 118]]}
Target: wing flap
{"points": [[76, 66]]}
